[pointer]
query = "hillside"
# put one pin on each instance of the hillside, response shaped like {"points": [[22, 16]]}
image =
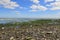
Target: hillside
{"points": [[32, 30]]}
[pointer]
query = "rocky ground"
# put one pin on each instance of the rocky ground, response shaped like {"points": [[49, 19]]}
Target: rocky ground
{"points": [[46, 32]]}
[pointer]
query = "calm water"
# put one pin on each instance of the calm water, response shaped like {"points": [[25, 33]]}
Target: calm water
{"points": [[15, 20]]}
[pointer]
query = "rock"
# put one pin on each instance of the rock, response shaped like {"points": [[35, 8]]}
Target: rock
{"points": [[32, 39], [12, 38], [58, 39], [3, 28]]}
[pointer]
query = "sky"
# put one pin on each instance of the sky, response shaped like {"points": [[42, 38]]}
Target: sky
{"points": [[29, 8]]}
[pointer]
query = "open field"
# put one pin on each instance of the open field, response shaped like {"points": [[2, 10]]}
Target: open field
{"points": [[32, 30]]}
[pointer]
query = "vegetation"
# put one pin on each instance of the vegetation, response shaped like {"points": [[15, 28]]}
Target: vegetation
{"points": [[36, 22]]}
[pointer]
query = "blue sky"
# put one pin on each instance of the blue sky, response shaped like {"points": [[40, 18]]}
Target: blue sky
{"points": [[29, 8]]}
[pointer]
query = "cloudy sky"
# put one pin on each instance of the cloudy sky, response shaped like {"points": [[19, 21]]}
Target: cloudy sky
{"points": [[29, 8]]}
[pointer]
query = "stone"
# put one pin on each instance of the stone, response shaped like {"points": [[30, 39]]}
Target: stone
{"points": [[12, 38], [3, 28]]}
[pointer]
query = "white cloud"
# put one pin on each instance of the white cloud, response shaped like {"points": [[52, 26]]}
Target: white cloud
{"points": [[33, 10], [57, 0], [55, 6], [8, 4], [49, 0], [38, 7], [17, 12], [35, 1], [48, 5]]}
